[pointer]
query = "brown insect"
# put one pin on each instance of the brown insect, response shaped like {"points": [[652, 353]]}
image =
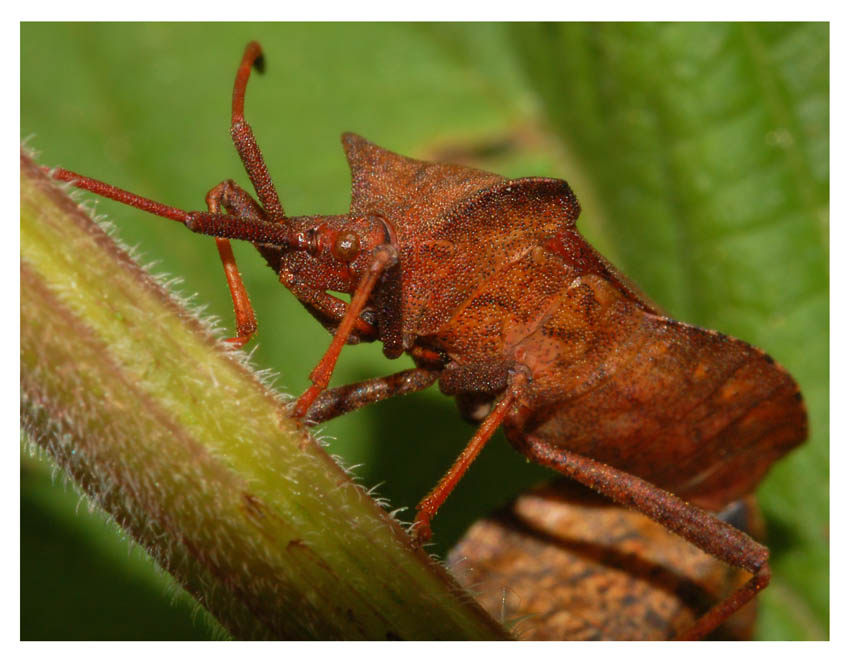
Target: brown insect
{"points": [[487, 284]]}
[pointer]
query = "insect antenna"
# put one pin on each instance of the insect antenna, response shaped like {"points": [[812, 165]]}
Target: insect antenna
{"points": [[120, 195], [245, 228], [243, 137], [249, 228]]}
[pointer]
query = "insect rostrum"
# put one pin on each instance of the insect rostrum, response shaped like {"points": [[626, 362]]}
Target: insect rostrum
{"points": [[487, 284]]}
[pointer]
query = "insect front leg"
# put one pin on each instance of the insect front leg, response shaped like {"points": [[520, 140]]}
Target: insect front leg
{"points": [[326, 308], [383, 257], [237, 202], [701, 528]]}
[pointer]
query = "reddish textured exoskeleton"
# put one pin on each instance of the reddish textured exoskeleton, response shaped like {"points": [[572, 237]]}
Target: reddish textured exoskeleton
{"points": [[487, 284]]}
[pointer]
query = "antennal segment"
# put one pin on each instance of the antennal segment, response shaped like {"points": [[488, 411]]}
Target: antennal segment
{"points": [[243, 137], [114, 193]]}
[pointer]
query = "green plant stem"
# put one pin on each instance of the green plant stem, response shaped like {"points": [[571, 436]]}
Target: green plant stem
{"points": [[164, 428]]}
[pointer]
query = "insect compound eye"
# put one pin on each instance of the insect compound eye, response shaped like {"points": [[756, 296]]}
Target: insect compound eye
{"points": [[346, 247]]}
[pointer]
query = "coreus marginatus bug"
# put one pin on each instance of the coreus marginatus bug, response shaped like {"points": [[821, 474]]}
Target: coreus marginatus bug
{"points": [[487, 284]]}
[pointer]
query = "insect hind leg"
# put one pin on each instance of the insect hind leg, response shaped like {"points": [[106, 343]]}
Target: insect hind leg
{"points": [[701, 528]]}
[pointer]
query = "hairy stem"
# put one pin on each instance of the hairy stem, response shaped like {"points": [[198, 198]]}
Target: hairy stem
{"points": [[164, 428]]}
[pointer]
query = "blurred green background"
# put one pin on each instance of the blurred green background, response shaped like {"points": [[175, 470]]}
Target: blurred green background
{"points": [[699, 152]]}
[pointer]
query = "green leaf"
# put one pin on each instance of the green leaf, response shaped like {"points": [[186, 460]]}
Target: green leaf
{"points": [[699, 153], [707, 151]]}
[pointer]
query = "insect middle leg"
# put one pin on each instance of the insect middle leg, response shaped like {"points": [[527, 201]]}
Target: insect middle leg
{"points": [[428, 506], [340, 400]]}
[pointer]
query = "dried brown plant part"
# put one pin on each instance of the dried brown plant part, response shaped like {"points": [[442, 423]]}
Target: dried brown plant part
{"points": [[562, 563]]}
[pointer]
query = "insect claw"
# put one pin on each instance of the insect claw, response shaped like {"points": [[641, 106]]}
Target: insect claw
{"points": [[421, 531], [237, 341], [306, 400]]}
